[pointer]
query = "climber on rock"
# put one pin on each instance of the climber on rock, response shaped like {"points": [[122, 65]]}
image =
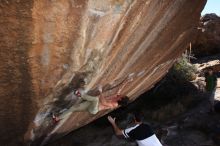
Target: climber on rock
{"points": [[94, 104], [211, 83], [141, 132]]}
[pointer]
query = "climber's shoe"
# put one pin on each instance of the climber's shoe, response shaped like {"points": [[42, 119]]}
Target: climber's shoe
{"points": [[55, 118], [77, 93]]}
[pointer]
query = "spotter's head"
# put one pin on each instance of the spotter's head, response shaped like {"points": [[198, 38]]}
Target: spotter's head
{"points": [[137, 117]]}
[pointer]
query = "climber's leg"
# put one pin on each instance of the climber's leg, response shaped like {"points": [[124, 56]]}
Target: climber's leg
{"points": [[80, 107], [94, 103], [83, 106], [91, 105], [94, 107]]}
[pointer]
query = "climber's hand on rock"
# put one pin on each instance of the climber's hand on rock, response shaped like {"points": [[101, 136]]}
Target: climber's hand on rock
{"points": [[111, 120], [100, 89]]}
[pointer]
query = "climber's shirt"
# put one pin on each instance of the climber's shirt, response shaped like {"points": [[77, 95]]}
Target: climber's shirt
{"points": [[211, 82]]}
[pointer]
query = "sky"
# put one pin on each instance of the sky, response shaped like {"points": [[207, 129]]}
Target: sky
{"points": [[212, 6]]}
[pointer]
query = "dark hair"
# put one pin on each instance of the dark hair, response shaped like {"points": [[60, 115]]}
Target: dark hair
{"points": [[123, 101], [138, 116]]}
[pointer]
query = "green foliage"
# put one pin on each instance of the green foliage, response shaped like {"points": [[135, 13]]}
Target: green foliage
{"points": [[183, 70]]}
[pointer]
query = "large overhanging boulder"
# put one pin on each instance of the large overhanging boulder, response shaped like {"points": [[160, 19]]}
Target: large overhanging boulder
{"points": [[48, 45]]}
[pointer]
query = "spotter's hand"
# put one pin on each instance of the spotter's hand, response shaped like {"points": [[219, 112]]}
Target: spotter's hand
{"points": [[111, 120]]}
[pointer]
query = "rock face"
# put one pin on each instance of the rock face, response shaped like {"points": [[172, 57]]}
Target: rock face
{"points": [[47, 46], [207, 41]]}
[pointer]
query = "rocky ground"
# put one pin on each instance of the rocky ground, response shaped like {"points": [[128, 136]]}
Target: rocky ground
{"points": [[183, 120]]}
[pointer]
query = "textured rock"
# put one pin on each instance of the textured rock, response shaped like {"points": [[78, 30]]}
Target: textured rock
{"points": [[46, 44], [207, 41]]}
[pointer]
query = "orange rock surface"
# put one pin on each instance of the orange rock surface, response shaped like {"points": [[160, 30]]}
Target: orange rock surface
{"points": [[46, 44]]}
